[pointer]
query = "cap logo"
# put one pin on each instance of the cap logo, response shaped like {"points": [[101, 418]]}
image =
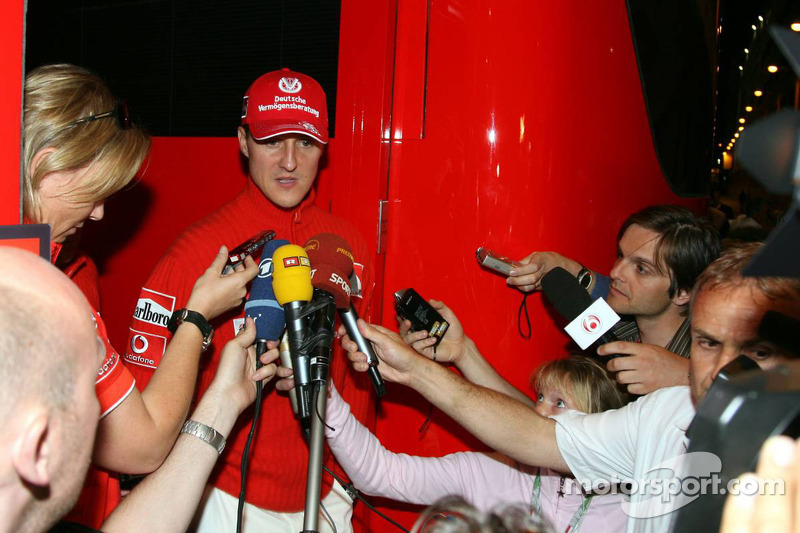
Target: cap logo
{"points": [[290, 85], [310, 127], [244, 106]]}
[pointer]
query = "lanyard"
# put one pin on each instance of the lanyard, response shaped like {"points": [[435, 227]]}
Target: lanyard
{"points": [[577, 518]]}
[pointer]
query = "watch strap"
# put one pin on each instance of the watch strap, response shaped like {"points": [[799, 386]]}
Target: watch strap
{"points": [[186, 315], [205, 433], [585, 277]]}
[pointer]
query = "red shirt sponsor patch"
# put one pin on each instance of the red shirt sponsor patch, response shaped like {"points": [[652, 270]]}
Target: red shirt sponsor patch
{"points": [[154, 308], [145, 349]]}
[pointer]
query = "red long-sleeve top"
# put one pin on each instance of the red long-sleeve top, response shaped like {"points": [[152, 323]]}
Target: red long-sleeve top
{"points": [[278, 461]]}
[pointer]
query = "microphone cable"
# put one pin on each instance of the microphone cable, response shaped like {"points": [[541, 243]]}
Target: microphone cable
{"points": [[356, 495], [523, 306], [261, 348], [427, 422]]}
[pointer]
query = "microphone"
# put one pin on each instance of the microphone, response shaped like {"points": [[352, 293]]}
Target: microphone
{"points": [[286, 360], [291, 280], [588, 322], [262, 306], [333, 263]]}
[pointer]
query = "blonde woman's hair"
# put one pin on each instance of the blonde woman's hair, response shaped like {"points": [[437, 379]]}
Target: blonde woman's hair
{"points": [[586, 380], [55, 97]]}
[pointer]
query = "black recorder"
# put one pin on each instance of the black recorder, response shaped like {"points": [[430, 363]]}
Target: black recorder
{"points": [[412, 307], [249, 247]]}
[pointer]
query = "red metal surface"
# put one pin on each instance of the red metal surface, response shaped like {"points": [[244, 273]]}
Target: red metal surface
{"points": [[11, 31], [535, 138]]}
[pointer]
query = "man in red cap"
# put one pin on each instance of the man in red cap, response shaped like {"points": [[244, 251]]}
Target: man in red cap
{"points": [[283, 134]]}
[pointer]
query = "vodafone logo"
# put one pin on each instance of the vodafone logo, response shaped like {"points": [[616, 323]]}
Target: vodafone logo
{"points": [[145, 349], [139, 344], [265, 268], [591, 323], [290, 85]]}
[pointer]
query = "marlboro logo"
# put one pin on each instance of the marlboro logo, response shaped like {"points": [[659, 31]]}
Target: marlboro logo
{"points": [[154, 307]]}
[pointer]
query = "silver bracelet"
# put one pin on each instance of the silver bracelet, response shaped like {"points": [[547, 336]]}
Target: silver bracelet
{"points": [[205, 433]]}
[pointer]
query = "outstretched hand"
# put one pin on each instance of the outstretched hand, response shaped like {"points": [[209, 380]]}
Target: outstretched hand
{"points": [[234, 382], [450, 348], [215, 292], [398, 360], [528, 277]]}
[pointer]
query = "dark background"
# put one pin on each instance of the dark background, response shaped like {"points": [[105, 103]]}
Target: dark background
{"points": [[184, 66]]}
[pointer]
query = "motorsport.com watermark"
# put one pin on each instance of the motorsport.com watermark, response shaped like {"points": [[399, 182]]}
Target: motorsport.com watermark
{"points": [[676, 482]]}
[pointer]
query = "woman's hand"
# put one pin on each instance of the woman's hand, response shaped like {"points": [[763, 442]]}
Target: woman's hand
{"points": [[215, 292]]}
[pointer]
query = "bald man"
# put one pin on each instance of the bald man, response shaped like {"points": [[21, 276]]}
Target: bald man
{"points": [[49, 356]]}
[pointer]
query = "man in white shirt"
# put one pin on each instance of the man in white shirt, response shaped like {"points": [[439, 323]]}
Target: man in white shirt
{"points": [[630, 444]]}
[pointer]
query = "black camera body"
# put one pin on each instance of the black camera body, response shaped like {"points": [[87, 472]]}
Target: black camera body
{"points": [[733, 421]]}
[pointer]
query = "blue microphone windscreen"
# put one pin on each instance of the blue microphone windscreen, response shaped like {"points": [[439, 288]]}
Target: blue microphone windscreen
{"points": [[261, 304]]}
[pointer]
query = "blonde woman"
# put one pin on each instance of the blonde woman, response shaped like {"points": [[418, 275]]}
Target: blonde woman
{"points": [[80, 147]]}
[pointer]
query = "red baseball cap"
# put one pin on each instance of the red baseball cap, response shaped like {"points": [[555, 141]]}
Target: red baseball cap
{"points": [[284, 101]]}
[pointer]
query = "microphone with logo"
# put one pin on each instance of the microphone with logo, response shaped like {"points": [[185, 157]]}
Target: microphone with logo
{"points": [[291, 281], [588, 322], [268, 316], [268, 313], [331, 265], [262, 306], [334, 253]]}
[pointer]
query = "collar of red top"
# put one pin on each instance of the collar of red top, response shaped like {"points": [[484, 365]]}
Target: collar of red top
{"points": [[258, 205], [55, 247]]}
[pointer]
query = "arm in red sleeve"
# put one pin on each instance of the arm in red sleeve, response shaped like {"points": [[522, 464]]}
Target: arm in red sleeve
{"points": [[137, 435]]}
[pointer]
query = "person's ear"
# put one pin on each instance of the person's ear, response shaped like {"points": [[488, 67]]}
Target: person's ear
{"points": [[31, 449], [242, 133], [682, 297], [38, 158]]}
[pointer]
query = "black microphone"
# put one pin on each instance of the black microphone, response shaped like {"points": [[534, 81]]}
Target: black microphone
{"points": [[571, 301], [349, 318], [262, 306], [332, 261], [323, 315]]}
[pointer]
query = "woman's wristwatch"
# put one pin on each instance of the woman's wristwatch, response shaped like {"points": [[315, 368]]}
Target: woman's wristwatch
{"points": [[185, 315]]}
